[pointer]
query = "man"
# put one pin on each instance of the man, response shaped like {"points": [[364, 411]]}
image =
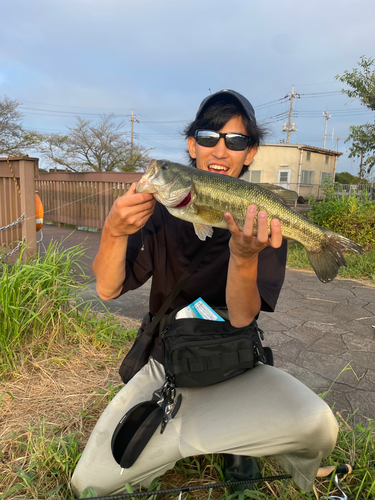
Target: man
{"points": [[261, 412]]}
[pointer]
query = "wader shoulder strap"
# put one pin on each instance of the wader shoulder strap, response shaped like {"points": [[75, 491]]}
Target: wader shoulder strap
{"points": [[182, 281]]}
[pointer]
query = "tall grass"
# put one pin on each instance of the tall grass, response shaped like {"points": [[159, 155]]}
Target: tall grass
{"points": [[35, 298], [39, 303]]}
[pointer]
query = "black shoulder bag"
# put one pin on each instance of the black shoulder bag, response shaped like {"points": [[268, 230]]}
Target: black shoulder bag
{"points": [[200, 352]]}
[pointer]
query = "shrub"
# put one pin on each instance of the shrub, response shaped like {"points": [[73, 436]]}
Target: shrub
{"points": [[350, 216]]}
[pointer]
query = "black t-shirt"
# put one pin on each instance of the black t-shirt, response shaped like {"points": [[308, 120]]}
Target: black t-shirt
{"points": [[169, 246]]}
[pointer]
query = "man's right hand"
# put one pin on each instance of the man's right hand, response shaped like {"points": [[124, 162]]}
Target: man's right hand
{"points": [[130, 212], [128, 215]]}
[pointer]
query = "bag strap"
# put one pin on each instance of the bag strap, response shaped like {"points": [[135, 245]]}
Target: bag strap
{"points": [[182, 282]]}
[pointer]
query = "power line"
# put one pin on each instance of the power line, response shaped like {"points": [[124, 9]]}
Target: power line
{"points": [[45, 129], [160, 146], [67, 106], [161, 128], [65, 112], [327, 92], [271, 103]]}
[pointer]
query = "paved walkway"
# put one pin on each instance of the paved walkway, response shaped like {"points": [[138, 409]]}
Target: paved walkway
{"points": [[323, 334]]}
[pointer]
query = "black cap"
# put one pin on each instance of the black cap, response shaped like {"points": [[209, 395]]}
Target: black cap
{"points": [[246, 106]]}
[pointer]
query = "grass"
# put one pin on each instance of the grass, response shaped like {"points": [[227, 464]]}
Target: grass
{"points": [[40, 304], [59, 370], [360, 267]]}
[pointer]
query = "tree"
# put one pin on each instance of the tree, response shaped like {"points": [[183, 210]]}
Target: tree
{"points": [[99, 147], [361, 81], [345, 178], [14, 140]]}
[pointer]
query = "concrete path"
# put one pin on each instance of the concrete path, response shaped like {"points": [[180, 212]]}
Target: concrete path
{"points": [[323, 334]]}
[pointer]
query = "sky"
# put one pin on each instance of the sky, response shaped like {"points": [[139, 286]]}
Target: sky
{"points": [[66, 58]]}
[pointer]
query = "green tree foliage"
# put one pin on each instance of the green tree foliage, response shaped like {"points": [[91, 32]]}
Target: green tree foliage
{"points": [[346, 178], [14, 139], [98, 147], [361, 82]]}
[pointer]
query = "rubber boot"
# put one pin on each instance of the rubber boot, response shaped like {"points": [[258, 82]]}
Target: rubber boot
{"points": [[239, 468]]}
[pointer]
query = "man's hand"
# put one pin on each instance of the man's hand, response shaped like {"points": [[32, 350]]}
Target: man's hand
{"points": [[130, 212], [244, 245], [242, 294]]}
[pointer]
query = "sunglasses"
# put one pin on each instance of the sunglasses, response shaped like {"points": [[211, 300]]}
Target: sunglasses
{"points": [[233, 141]]}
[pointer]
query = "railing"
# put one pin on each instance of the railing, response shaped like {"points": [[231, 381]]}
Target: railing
{"points": [[17, 205], [358, 190], [317, 191], [82, 199]]}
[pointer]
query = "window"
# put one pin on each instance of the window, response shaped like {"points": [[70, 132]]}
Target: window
{"points": [[327, 159], [307, 177], [325, 177], [256, 176], [308, 156], [284, 178]]}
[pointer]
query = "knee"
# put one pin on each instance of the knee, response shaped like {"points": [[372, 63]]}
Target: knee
{"points": [[320, 431], [75, 486]]}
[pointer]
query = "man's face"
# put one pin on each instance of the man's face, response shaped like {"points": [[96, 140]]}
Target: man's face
{"points": [[219, 159]]}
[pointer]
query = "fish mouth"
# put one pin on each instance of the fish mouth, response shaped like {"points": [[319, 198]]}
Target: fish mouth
{"points": [[144, 182], [152, 182]]}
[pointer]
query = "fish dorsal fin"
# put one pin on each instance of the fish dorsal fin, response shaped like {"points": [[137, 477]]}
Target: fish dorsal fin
{"points": [[203, 230], [284, 196], [209, 214]]}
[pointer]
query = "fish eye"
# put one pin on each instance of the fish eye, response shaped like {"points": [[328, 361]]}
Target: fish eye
{"points": [[164, 166]]}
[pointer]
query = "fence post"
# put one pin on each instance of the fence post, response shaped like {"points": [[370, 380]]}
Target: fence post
{"points": [[27, 187]]}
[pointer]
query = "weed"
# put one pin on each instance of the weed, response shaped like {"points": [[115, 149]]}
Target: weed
{"points": [[109, 393], [350, 216], [39, 463], [40, 303], [360, 267]]}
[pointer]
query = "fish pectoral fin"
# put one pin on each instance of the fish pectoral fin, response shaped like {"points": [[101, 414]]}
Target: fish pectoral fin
{"points": [[209, 214], [203, 230]]}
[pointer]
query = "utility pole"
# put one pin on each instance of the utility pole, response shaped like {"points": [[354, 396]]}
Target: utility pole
{"points": [[133, 119], [290, 127], [360, 169], [328, 116]]}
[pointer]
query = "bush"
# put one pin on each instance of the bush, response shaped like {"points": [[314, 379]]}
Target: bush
{"points": [[352, 217]]}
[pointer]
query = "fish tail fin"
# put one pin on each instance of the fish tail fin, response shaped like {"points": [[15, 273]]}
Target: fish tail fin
{"points": [[327, 261]]}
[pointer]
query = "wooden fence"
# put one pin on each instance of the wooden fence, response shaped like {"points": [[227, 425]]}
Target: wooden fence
{"points": [[82, 199], [16, 202]]}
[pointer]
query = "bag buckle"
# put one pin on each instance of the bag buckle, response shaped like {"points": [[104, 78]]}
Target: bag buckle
{"points": [[260, 332], [166, 399], [260, 355]]}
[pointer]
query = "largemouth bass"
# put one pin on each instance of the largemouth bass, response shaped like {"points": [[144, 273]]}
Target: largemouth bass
{"points": [[203, 198]]}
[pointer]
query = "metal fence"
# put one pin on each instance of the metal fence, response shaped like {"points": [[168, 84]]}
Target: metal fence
{"points": [[358, 190]]}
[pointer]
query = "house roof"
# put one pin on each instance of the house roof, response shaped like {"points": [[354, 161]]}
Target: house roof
{"points": [[304, 147]]}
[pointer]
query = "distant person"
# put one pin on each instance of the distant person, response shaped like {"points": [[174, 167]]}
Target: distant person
{"points": [[264, 411]]}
